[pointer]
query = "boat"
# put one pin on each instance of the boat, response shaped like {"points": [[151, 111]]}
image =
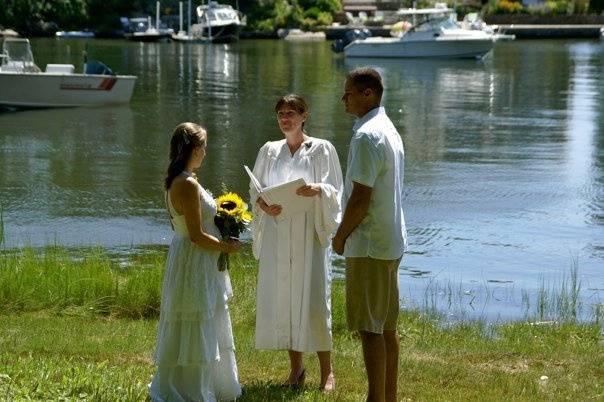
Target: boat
{"points": [[297, 35], [74, 34], [186, 36], [434, 32], [24, 85], [141, 30], [473, 21], [218, 23]]}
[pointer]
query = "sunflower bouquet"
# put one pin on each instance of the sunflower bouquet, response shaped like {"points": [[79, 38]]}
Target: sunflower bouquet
{"points": [[232, 218]]}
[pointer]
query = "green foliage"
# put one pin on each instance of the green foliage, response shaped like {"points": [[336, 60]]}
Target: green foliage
{"points": [[52, 279], [329, 6], [1, 225], [596, 6], [559, 7], [46, 16], [580, 6], [505, 7]]}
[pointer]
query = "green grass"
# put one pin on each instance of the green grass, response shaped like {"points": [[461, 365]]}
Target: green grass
{"points": [[1, 225], [80, 325]]}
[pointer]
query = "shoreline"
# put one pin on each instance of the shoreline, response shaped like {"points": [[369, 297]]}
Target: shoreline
{"points": [[556, 299], [523, 26]]}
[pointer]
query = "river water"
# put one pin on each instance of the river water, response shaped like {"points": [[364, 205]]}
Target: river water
{"points": [[504, 157]]}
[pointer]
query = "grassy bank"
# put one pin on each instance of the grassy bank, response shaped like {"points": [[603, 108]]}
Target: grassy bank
{"points": [[81, 326]]}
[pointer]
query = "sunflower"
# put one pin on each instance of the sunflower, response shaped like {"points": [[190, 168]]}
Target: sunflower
{"points": [[231, 204], [246, 216]]}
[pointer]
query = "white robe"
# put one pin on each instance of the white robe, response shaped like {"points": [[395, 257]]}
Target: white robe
{"points": [[293, 295]]}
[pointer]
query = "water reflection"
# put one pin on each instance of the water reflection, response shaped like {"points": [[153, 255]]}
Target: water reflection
{"points": [[504, 165]]}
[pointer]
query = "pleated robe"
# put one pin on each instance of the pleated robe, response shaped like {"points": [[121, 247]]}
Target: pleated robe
{"points": [[293, 293]]}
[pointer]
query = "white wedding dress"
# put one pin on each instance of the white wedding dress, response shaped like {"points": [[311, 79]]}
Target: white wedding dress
{"points": [[195, 350]]}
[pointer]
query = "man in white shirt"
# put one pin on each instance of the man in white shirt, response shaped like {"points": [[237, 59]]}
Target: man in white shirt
{"points": [[372, 235]]}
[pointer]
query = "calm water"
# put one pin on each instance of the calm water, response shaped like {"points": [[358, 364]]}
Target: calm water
{"points": [[504, 173]]}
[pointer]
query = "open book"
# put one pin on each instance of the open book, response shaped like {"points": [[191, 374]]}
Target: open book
{"points": [[282, 194]]}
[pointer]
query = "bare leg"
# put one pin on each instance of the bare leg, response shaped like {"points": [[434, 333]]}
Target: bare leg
{"points": [[296, 367], [374, 354], [392, 350], [327, 380]]}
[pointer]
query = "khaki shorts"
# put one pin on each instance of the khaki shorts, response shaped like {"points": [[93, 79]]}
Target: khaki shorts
{"points": [[372, 296]]}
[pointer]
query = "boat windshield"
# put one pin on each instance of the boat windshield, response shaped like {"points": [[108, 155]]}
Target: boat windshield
{"points": [[436, 22], [17, 56], [18, 50]]}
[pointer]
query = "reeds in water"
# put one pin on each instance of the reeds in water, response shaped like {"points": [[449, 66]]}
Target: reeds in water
{"points": [[54, 279]]}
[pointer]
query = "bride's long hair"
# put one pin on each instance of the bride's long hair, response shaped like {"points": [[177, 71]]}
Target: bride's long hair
{"points": [[185, 138]]}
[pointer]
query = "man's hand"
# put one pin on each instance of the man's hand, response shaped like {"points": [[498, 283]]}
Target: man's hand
{"points": [[337, 245]]}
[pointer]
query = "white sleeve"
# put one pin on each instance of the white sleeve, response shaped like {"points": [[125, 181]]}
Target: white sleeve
{"points": [[257, 226], [327, 207]]}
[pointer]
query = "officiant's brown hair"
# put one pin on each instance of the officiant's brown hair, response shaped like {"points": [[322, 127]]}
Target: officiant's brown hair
{"points": [[185, 138], [294, 102]]}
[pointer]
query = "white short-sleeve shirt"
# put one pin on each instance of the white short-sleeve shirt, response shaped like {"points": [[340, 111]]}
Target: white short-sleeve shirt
{"points": [[376, 159]]}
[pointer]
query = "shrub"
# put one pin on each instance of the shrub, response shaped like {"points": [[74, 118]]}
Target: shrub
{"points": [[559, 7], [596, 6], [324, 19], [312, 12], [507, 7], [329, 6]]}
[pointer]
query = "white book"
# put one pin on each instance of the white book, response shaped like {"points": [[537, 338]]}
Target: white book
{"points": [[282, 194]]}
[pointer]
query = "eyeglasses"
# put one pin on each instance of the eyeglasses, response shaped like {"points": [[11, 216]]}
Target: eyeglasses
{"points": [[286, 113]]}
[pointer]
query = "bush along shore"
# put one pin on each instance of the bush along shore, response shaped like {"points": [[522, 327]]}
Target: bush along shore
{"points": [[80, 325]]}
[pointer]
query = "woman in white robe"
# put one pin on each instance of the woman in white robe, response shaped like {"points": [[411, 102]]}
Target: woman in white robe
{"points": [[293, 295]]}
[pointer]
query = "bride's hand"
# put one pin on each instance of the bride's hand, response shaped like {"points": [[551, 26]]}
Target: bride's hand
{"points": [[231, 245], [310, 190]]}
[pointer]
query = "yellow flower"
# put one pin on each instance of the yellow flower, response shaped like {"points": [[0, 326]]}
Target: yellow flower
{"points": [[246, 216], [232, 204]]}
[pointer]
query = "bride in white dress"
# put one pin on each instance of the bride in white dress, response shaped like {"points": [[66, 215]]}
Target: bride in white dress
{"points": [[195, 355]]}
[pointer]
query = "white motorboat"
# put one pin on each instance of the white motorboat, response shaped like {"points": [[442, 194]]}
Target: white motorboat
{"points": [[434, 32], [23, 84], [219, 23], [186, 36], [141, 30]]}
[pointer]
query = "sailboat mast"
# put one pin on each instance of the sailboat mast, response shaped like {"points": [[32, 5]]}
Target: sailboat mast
{"points": [[157, 15], [180, 16], [189, 18]]}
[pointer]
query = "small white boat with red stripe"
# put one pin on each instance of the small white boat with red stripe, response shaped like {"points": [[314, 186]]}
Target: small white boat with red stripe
{"points": [[24, 85]]}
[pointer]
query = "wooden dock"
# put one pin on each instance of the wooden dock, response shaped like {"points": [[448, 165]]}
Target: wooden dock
{"points": [[552, 31]]}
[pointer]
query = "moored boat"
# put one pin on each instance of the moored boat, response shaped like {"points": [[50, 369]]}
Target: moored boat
{"points": [[218, 23], [432, 33], [141, 30], [74, 34], [25, 85]]}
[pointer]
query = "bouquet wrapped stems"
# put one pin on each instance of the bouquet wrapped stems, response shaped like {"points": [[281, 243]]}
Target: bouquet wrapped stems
{"points": [[224, 261]]}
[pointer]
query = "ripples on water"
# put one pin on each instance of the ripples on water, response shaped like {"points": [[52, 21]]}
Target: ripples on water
{"points": [[504, 182]]}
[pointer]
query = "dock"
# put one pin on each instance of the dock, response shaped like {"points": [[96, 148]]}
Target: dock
{"points": [[552, 31]]}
